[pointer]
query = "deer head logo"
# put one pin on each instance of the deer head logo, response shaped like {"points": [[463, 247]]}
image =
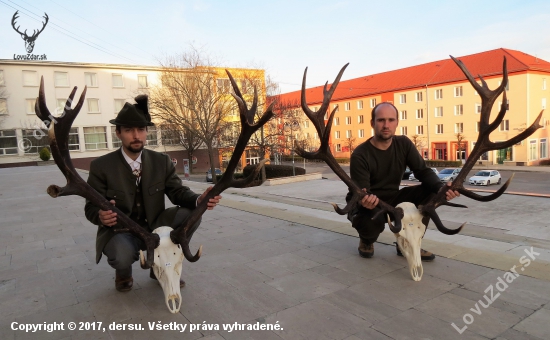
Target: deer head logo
{"points": [[29, 41]]}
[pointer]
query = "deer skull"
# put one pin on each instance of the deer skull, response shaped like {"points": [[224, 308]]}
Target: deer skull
{"points": [[410, 238], [167, 267]]}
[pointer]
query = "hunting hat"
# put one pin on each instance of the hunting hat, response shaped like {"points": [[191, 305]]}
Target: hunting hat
{"points": [[134, 114]]}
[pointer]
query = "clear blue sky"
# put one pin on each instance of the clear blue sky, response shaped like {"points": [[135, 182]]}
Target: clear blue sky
{"points": [[283, 36]]}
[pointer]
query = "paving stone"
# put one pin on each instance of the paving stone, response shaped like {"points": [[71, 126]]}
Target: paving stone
{"points": [[345, 277], [6, 333], [59, 296], [488, 322], [512, 334], [146, 333], [314, 256], [306, 285], [370, 334], [368, 268], [536, 325], [363, 306], [287, 262], [270, 234], [221, 260], [316, 237], [453, 271], [524, 291], [248, 335], [118, 307], [413, 324], [241, 276], [268, 249], [268, 299], [62, 262], [13, 248], [316, 319], [497, 303], [23, 304]]}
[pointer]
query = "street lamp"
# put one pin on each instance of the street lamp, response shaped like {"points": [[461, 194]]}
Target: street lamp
{"points": [[292, 125]]}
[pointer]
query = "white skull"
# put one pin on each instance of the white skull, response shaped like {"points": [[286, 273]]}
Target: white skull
{"points": [[409, 238], [167, 268]]}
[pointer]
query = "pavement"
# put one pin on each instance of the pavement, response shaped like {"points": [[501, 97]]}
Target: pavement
{"points": [[277, 258]]}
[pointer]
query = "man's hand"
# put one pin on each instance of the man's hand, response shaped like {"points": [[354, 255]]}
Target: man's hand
{"points": [[451, 193], [369, 201], [212, 202], [108, 218]]}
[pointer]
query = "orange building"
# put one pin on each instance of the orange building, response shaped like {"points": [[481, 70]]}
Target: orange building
{"points": [[436, 102]]}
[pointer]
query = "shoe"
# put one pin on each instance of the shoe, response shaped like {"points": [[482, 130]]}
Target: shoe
{"points": [[123, 284], [365, 250], [424, 254], [152, 275]]}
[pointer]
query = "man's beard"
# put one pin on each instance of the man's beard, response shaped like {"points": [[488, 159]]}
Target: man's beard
{"points": [[135, 149], [384, 138]]}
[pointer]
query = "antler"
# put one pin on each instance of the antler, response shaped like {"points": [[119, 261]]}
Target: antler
{"points": [[15, 17], [182, 235], [483, 144], [59, 136], [35, 34], [324, 153]]}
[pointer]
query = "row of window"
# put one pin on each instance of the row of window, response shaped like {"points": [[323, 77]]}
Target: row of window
{"points": [[458, 128], [349, 134], [95, 138], [61, 79]]}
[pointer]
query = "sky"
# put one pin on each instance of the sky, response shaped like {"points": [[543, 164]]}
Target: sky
{"points": [[282, 37]]}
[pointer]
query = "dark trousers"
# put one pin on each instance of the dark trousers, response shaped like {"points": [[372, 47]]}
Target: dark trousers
{"points": [[122, 250], [370, 229]]}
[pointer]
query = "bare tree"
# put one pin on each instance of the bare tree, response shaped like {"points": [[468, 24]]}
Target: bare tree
{"points": [[192, 98], [460, 144], [418, 141], [350, 143]]}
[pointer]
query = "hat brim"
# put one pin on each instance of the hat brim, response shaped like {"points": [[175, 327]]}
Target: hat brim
{"points": [[131, 123]]}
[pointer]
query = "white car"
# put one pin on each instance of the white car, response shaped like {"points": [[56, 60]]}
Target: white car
{"points": [[412, 178], [485, 177]]}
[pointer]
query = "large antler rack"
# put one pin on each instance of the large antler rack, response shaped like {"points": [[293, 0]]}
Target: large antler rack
{"points": [[324, 153], [182, 235], [59, 136], [483, 144]]}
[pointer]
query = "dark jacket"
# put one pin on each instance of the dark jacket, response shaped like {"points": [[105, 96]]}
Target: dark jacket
{"points": [[112, 177]]}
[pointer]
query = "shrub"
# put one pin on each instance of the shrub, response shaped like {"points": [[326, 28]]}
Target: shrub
{"points": [[443, 164], [275, 171], [45, 154]]}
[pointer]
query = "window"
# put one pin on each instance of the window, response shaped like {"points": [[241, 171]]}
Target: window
{"points": [[477, 126], [29, 104], [504, 125], [543, 82], [439, 111], [325, 117], [348, 133], [478, 108], [507, 105], [420, 129], [347, 106], [404, 130], [419, 113], [402, 99], [373, 102], [439, 94], [142, 81], [306, 124], [61, 79], [336, 121], [3, 107], [118, 81], [2, 83], [315, 135], [361, 133], [90, 79], [116, 141], [459, 128], [418, 96], [119, 104], [93, 105], [95, 137], [30, 78], [60, 107], [459, 110], [403, 115], [8, 142], [335, 106], [169, 136], [507, 85], [348, 120], [532, 149], [360, 119], [152, 138], [439, 129], [544, 103], [543, 149], [224, 85], [74, 141], [359, 104], [37, 139], [337, 134], [338, 147], [458, 91]]}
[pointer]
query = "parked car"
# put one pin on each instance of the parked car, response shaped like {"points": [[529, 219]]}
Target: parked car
{"points": [[448, 174], [407, 173], [209, 174], [485, 177], [412, 178]]}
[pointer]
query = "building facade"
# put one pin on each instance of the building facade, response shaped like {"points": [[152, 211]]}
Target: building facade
{"points": [[439, 110]]}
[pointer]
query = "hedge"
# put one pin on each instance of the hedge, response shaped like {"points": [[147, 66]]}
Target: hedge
{"points": [[275, 171], [298, 159], [443, 164]]}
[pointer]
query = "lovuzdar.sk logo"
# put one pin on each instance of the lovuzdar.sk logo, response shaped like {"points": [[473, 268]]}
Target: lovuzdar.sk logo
{"points": [[29, 40]]}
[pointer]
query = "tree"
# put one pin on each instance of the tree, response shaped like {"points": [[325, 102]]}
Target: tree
{"points": [[191, 99], [419, 142], [460, 144], [350, 144]]}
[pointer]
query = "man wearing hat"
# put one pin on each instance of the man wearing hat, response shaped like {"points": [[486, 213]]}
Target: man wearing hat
{"points": [[135, 180]]}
